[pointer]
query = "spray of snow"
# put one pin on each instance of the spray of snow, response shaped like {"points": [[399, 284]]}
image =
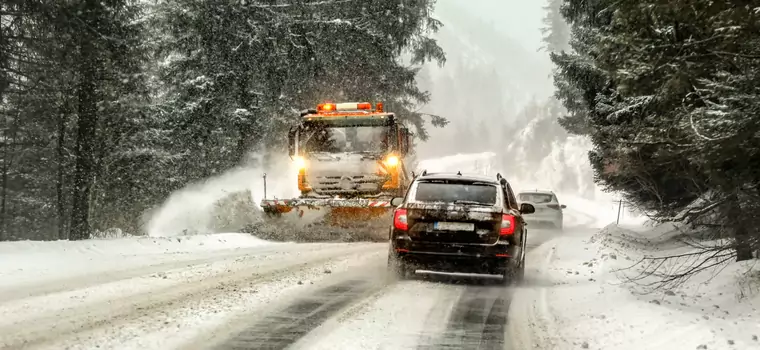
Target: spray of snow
{"points": [[478, 163], [194, 209], [565, 170]]}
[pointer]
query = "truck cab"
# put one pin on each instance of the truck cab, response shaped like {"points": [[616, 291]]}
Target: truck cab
{"points": [[350, 150]]}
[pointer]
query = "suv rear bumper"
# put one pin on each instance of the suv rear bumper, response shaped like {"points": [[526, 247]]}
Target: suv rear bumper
{"points": [[477, 258]]}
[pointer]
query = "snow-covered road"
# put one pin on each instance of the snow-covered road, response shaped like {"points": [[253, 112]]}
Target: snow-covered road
{"points": [[170, 300], [225, 290], [234, 291]]}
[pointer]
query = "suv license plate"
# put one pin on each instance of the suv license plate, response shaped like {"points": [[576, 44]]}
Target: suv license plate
{"points": [[454, 226]]}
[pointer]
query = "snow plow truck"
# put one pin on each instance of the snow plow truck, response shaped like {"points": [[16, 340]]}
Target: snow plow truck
{"points": [[352, 159]]}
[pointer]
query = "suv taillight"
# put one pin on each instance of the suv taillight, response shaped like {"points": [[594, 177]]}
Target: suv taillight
{"points": [[507, 225], [399, 220]]}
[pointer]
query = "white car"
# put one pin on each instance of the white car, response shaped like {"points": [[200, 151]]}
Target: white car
{"points": [[548, 209]]}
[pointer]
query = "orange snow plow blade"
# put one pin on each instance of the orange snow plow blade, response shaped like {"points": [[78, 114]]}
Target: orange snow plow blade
{"points": [[331, 219]]}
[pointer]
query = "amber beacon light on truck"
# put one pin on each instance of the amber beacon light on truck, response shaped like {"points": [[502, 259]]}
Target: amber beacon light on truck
{"points": [[327, 109]]}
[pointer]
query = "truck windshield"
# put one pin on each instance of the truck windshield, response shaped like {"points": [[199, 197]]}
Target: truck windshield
{"points": [[456, 192], [361, 139]]}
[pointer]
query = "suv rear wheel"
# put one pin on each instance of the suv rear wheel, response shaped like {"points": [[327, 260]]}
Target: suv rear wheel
{"points": [[397, 268], [515, 270], [519, 272], [513, 273]]}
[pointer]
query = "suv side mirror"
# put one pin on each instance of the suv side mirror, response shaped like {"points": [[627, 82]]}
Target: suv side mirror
{"points": [[563, 206], [527, 208], [397, 201]]}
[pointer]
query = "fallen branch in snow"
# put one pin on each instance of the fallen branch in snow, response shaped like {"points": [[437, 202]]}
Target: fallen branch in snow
{"points": [[709, 243], [672, 271]]}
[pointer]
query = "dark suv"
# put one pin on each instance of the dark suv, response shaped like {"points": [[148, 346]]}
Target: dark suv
{"points": [[459, 223]]}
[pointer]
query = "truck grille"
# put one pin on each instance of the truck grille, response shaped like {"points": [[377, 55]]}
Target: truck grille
{"points": [[347, 184]]}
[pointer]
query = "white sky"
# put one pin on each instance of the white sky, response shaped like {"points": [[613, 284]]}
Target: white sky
{"points": [[519, 19]]}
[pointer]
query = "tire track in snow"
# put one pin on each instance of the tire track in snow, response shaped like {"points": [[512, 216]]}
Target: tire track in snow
{"points": [[400, 316], [478, 321], [458, 317], [284, 328], [441, 312], [297, 321], [530, 325]]}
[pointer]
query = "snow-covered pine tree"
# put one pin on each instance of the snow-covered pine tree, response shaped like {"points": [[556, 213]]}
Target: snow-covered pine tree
{"points": [[237, 74], [108, 106], [555, 31], [73, 98], [575, 79], [672, 113], [107, 59]]}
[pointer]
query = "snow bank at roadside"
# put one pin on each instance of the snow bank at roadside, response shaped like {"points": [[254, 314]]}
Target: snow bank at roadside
{"points": [[130, 245], [37, 260], [589, 307]]}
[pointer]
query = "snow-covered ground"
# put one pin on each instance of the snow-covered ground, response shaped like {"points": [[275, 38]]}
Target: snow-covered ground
{"points": [[27, 262], [576, 298], [192, 292], [151, 293]]}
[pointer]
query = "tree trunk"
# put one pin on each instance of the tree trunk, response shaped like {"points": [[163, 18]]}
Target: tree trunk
{"points": [[60, 178], [4, 45], [4, 191], [86, 124], [743, 244], [742, 237], [9, 153], [244, 128]]}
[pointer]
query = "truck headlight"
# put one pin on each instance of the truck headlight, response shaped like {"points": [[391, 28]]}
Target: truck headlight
{"points": [[299, 162], [391, 161]]}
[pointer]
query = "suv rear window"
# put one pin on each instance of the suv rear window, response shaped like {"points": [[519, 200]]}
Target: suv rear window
{"points": [[450, 192], [536, 197]]}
